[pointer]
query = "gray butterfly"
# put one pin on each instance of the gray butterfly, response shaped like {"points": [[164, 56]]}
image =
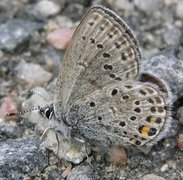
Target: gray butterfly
{"points": [[100, 96]]}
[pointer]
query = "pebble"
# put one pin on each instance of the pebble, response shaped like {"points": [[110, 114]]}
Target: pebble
{"points": [[8, 106], [170, 2], [82, 173], [180, 142], [179, 9], [152, 177], [125, 5], [164, 168], [47, 8], [172, 36], [15, 32], [149, 7], [118, 156], [60, 37], [32, 73], [72, 152]]}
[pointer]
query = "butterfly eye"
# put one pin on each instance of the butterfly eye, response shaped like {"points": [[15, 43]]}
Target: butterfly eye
{"points": [[48, 113]]}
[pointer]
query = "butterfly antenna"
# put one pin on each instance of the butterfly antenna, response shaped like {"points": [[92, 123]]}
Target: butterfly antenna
{"points": [[37, 94], [23, 112]]}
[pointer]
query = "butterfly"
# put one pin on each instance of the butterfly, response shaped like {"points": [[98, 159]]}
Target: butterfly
{"points": [[100, 95]]}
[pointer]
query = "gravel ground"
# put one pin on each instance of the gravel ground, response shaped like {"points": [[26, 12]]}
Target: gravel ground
{"points": [[30, 56]]}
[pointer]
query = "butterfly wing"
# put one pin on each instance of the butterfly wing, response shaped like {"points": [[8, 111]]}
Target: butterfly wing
{"points": [[124, 113], [102, 51]]}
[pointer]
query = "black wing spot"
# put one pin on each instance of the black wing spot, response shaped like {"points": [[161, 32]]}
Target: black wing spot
{"points": [[137, 142], [84, 37], [117, 45], [112, 75], [123, 57], [92, 40], [118, 79], [150, 100], [143, 92], [106, 55], [128, 86], [92, 104], [122, 123], [153, 109], [137, 102], [126, 97], [160, 109], [110, 35], [158, 120], [91, 23], [158, 100], [108, 67], [137, 110], [114, 92], [99, 118], [152, 132], [100, 46], [133, 118]]}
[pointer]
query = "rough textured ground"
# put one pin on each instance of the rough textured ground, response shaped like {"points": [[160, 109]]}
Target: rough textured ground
{"points": [[28, 58]]}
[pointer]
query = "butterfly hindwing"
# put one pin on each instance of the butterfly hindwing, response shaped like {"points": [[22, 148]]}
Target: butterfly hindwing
{"points": [[127, 113]]}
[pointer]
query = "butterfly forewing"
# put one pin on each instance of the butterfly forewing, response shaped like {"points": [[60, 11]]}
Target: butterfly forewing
{"points": [[102, 51]]}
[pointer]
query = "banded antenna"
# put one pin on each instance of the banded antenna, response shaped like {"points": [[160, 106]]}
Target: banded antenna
{"points": [[29, 110]]}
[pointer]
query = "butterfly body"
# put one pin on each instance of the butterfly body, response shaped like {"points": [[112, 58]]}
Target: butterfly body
{"points": [[100, 95]]}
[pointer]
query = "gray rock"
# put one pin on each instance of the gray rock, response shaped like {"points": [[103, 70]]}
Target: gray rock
{"points": [[168, 68], [149, 6], [15, 32], [172, 36], [179, 10], [21, 157], [47, 8], [32, 73], [152, 177], [82, 173]]}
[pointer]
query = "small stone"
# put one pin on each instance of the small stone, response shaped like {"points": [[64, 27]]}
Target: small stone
{"points": [[152, 177], [60, 38], [47, 8], [172, 36], [164, 168], [67, 171], [170, 2], [180, 142], [125, 5], [149, 6], [118, 156], [179, 10], [8, 106], [32, 73], [72, 152], [82, 173], [15, 32], [1, 55]]}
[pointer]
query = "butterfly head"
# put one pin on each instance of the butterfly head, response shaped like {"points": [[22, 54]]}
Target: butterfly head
{"points": [[47, 111]]}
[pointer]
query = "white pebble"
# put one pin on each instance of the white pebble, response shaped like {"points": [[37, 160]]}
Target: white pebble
{"points": [[179, 10], [47, 8]]}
